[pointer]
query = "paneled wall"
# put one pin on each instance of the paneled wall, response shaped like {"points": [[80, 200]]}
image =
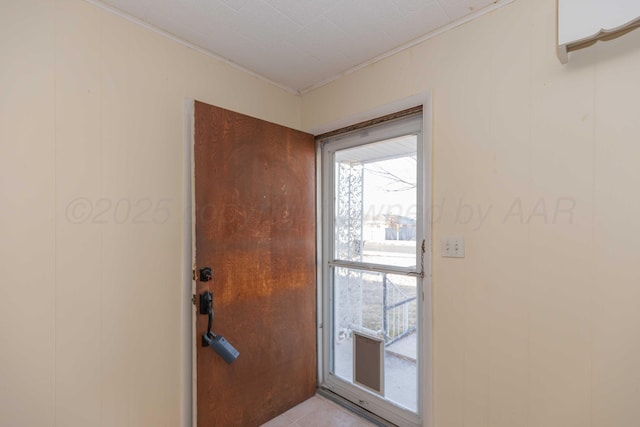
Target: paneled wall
{"points": [[536, 164], [92, 212]]}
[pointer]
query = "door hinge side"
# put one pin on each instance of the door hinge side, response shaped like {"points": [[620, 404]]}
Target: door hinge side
{"points": [[193, 275], [193, 300]]}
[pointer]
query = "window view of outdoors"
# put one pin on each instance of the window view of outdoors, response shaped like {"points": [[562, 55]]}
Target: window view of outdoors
{"points": [[375, 223], [376, 205]]}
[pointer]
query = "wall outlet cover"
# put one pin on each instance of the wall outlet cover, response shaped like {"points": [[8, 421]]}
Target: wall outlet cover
{"points": [[453, 247]]}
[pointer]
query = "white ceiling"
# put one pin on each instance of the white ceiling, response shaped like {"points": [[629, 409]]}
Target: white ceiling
{"points": [[300, 44]]}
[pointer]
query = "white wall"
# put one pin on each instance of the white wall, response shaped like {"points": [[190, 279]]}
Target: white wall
{"points": [[538, 325], [91, 108]]}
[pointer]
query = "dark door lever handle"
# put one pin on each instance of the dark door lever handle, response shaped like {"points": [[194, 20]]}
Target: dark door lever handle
{"points": [[209, 339], [206, 303]]}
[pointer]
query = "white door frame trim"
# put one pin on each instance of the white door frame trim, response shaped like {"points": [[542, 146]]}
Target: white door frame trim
{"points": [[424, 99], [188, 381]]}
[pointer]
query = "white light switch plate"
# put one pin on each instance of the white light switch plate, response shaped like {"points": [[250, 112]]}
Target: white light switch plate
{"points": [[453, 247]]}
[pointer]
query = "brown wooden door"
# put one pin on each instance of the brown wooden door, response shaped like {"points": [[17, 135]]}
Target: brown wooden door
{"points": [[255, 227]]}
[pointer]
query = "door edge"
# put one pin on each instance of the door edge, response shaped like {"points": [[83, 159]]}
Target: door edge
{"points": [[189, 377]]}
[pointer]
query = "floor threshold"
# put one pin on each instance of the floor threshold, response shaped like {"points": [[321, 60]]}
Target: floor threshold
{"points": [[352, 407]]}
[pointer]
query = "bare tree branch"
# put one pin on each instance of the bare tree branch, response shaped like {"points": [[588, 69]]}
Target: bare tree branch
{"points": [[376, 169]]}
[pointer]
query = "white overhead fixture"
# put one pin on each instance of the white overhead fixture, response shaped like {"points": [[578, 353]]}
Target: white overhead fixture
{"points": [[582, 23]]}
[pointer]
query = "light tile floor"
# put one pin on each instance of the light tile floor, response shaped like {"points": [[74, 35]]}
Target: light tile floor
{"points": [[318, 412]]}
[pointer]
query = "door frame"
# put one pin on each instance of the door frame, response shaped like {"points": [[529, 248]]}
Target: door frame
{"points": [[188, 381], [426, 361]]}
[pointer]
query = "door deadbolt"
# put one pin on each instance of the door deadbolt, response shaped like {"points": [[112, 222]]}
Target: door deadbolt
{"points": [[206, 274]]}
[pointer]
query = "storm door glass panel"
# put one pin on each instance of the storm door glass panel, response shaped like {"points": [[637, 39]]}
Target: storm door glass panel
{"points": [[373, 246], [374, 271], [383, 306], [375, 203]]}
